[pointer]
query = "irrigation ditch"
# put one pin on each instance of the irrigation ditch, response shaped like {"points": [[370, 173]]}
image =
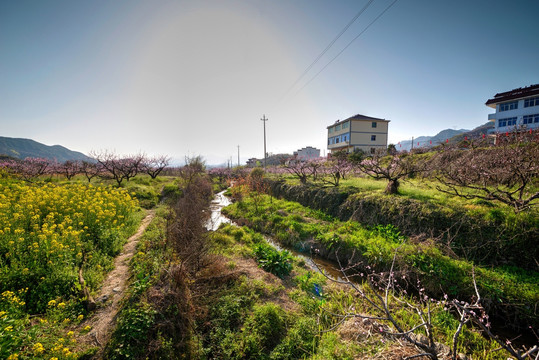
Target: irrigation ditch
{"points": [[321, 259], [315, 263]]}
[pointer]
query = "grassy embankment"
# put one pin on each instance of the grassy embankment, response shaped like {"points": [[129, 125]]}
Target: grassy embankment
{"points": [[486, 233], [239, 311], [511, 292]]}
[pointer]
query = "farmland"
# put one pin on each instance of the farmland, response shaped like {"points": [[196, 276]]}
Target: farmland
{"points": [[421, 284], [50, 232]]}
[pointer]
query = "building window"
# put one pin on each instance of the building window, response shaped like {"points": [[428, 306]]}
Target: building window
{"points": [[330, 130], [373, 137], [530, 119], [509, 106], [531, 102], [374, 124], [373, 150], [338, 127], [345, 125], [337, 140], [507, 122]]}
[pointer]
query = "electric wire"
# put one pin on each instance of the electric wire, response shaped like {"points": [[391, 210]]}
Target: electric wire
{"points": [[329, 45], [346, 47]]}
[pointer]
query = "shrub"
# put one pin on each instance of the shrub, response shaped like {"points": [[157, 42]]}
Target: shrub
{"points": [[263, 330], [272, 260], [132, 331]]}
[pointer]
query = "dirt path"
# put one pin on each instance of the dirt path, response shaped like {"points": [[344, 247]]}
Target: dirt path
{"points": [[103, 320]]}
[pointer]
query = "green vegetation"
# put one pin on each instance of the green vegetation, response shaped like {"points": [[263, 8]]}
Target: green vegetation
{"points": [[52, 235], [473, 229], [241, 316], [139, 316], [272, 260], [230, 294], [511, 291]]}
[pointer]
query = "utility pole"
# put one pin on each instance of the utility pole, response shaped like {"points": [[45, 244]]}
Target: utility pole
{"points": [[264, 120], [238, 155], [412, 144]]}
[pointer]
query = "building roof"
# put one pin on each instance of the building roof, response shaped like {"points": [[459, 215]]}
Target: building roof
{"points": [[360, 117], [513, 94]]}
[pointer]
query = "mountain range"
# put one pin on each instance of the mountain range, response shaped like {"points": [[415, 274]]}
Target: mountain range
{"points": [[23, 148], [444, 135]]}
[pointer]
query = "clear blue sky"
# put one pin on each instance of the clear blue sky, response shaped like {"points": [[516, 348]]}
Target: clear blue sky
{"points": [[195, 77]]}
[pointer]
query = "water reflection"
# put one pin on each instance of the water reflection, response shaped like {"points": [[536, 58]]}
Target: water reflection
{"points": [[314, 263]]}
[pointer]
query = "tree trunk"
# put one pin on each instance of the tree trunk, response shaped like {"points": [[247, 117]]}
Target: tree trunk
{"points": [[392, 187]]}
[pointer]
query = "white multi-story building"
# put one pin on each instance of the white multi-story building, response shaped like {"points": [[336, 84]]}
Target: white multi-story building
{"points": [[307, 153], [517, 109]]}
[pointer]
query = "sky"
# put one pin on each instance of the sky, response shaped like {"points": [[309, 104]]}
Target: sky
{"points": [[194, 77]]}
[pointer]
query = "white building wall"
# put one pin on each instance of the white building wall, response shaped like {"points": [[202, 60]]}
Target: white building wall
{"points": [[307, 153], [519, 113]]}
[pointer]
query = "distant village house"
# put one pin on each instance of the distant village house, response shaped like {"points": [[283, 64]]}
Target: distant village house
{"points": [[307, 153]]}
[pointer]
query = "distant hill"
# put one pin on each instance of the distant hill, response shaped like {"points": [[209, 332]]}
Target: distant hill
{"points": [[23, 148], [475, 133], [425, 141]]}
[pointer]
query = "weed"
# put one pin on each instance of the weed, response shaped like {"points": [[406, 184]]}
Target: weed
{"points": [[272, 260]]}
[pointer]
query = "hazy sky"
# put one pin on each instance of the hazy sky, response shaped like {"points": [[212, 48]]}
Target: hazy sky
{"points": [[195, 77]]}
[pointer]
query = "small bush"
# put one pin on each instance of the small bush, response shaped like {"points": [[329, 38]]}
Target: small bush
{"points": [[272, 260]]}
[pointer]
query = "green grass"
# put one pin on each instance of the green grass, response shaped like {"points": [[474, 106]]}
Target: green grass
{"points": [[292, 224], [313, 331]]}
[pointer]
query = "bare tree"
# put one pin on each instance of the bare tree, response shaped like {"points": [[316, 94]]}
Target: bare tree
{"points": [[385, 303], [194, 167], [508, 173], [119, 168], [154, 166], [90, 169], [302, 169], [186, 226], [392, 168]]}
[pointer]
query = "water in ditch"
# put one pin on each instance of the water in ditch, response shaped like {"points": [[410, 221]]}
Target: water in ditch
{"points": [[315, 263]]}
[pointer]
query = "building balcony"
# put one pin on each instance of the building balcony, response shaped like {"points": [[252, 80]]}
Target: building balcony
{"points": [[492, 117], [339, 145]]}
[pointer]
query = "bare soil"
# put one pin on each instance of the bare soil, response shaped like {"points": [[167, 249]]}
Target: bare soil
{"points": [[102, 322]]}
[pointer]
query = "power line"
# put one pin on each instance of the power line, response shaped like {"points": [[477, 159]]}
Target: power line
{"points": [[329, 46], [346, 47]]}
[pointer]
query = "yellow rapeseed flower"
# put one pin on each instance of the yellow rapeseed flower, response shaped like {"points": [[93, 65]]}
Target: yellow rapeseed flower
{"points": [[38, 348]]}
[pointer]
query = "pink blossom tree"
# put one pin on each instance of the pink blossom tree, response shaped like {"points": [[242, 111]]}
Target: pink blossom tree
{"points": [[28, 169], [507, 173], [301, 169], [392, 168], [69, 168], [335, 169]]}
